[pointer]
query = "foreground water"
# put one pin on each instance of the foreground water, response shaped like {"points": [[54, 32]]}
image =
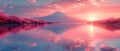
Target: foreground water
{"points": [[58, 37]]}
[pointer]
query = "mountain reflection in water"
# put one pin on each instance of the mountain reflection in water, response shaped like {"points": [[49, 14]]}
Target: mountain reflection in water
{"points": [[58, 37]]}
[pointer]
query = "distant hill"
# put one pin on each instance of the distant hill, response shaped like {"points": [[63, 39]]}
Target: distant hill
{"points": [[6, 19], [58, 17], [110, 24]]}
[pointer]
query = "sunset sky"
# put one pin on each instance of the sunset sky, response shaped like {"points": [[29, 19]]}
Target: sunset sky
{"points": [[79, 9], [46, 2]]}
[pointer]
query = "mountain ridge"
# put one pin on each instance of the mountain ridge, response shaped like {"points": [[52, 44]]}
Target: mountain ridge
{"points": [[57, 17]]}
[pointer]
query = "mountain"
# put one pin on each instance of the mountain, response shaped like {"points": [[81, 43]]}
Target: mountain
{"points": [[58, 17]]}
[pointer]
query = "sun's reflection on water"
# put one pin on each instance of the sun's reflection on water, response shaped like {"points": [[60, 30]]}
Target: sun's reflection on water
{"points": [[91, 30]]}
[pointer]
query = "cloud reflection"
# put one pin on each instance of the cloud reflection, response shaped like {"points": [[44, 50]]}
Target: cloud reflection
{"points": [[74, 39]]}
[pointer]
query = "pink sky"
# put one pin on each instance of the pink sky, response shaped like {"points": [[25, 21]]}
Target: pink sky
{"points": [[79, 9]]}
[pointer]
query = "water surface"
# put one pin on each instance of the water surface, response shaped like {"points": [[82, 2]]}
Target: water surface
{"points": [[58, 37]]}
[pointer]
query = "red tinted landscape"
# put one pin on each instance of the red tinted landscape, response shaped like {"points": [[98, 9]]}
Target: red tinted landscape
{"points": [[59, 25]]}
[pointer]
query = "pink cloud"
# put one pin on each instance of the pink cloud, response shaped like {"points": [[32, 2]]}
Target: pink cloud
{"points": [[82, 12], [32, 1], [30, 11], [74, 8]]}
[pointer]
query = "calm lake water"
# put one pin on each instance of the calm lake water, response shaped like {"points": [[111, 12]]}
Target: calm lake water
{"points": [[58, 37]]}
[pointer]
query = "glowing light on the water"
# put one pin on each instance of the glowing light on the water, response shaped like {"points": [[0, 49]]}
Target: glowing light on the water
{"points": [[91, 17], [91, 30]]}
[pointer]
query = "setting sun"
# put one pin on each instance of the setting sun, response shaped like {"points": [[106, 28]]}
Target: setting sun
{"points": [[92, 17]]}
